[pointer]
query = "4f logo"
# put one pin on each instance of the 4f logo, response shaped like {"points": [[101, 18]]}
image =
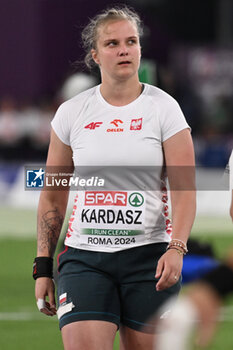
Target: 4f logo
{"points": [[35, 178], [136, 124], [93, 125]]}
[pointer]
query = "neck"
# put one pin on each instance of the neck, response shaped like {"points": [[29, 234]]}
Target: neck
{"points": [[122, 92]]}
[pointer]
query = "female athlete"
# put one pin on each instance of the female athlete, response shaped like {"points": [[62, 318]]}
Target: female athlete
{"points": [[120, 262]]}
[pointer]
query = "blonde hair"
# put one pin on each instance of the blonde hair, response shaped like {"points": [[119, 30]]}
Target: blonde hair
{"points": [[90, 32]]}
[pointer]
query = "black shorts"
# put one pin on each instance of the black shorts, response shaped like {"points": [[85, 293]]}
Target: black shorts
{"points": [[115, 287]]}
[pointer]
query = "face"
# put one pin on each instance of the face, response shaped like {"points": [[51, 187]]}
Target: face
{"points": [[118, 50]]}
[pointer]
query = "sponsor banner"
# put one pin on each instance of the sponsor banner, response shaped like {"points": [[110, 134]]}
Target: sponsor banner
{"points": [[116, 125], [111, 217]]}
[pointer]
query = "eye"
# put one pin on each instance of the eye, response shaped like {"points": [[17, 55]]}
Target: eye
{"points": [[132, 41], [112, 43]]}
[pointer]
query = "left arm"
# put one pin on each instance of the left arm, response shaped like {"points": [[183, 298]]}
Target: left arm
{"points": [[180, 164]]}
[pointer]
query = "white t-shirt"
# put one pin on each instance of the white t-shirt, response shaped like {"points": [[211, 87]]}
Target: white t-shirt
{"points": [[103, 135]]}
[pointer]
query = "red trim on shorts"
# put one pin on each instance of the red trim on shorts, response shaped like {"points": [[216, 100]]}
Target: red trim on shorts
{"points": [[59, 255]]}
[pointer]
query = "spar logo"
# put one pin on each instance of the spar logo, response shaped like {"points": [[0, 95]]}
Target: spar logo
{"points": [[136, 199], [106, 198], [116, 198], [136, 124], [117, 123]]}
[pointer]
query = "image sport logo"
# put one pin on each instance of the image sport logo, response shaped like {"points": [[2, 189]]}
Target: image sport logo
{"points": [[35, 178]]}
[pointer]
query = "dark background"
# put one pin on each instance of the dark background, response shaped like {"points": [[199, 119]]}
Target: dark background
{"points": [[40, 42], [41, 38]]}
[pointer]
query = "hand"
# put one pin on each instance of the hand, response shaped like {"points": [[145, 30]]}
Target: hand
{"points": [[45, 287], [168, 269]]}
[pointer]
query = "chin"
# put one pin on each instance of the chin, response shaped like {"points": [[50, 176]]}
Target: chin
{"points": [[127, 74]]}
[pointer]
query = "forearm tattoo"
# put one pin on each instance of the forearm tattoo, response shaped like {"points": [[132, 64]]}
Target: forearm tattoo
{"points": [[49, 227]]}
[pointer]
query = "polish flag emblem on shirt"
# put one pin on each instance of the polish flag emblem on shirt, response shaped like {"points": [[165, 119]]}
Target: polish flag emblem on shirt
{"points": [[136, 124]]}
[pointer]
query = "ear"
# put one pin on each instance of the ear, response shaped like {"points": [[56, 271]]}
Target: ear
{"points": [[94, 55]]}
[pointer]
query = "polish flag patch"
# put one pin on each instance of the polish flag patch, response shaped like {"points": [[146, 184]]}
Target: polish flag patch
{"points": [[62, 298]]}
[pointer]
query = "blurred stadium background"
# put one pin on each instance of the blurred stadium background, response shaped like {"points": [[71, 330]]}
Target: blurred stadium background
{"points": [[187, 51]]}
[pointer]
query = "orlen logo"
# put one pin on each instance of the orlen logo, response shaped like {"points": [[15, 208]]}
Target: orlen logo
{"points": [[136, 124], [106, 198], [93, 125], [116, 123]]}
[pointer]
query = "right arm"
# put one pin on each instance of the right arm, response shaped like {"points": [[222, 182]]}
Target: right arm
{"points": [[50, 217]]}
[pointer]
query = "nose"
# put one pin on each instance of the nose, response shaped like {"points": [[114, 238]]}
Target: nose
{"points": [[123, 50]]}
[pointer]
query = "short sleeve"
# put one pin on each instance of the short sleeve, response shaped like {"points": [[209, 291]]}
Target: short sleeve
{"points": [[172, 119], [60, 124]]}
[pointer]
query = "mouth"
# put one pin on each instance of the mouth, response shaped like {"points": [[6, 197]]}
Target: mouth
{"points": [[124, 62]]}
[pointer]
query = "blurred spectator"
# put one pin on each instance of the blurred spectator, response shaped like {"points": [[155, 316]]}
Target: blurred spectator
{"points": [[190, 103], [219, 113], [214, 152], [25, 129], [9, 129]]}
